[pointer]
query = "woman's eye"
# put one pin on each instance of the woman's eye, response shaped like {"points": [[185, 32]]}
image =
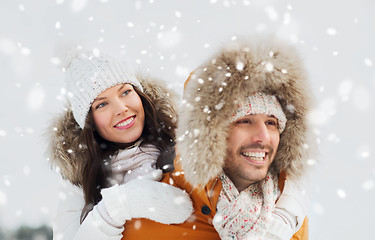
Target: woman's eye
{"points": [[101, 105], [126, 92]]}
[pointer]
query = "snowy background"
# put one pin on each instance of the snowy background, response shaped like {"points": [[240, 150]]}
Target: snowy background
{"points": [[168, 39]]}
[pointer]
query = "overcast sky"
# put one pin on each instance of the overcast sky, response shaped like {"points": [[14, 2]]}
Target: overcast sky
{"points": [[168, 39]]}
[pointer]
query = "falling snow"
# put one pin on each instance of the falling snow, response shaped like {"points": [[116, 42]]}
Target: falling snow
{"points": [[287, 19], [331, 31], [272, 13], [35, 99], [55, 61], [345, 89], [170, 46], [362, 98], [78, 5], [318, 209], [25, 51], [311, 162], [26, 170], [182, 71], [341, 193], [57, 25], [21, 7], [178, 14], [368, 62], [269, 67], [3, 198], [240, 66], [368, 185]]}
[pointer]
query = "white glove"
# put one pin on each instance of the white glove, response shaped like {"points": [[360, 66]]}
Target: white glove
{"points": [[293, 200], [142, 198], [289, 213], [155, 175]]}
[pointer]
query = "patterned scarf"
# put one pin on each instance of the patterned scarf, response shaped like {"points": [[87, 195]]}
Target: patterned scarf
{"points": [[245, 215]]}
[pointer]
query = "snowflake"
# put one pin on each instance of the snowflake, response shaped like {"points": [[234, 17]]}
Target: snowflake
{"points": [[2, 133], [272, 13], [368, 185], [3, 198], [178, 14], [311, 162], [78, 5], [331, 31], [341, 193], [368, 62], [318, 209], [21, 7]]}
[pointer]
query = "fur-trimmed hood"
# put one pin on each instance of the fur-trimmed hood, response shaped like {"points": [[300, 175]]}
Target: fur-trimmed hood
{"points": [[65, 150], [211, 96]]}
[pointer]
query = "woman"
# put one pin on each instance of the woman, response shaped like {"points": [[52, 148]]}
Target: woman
{"points": [[116, 138]]}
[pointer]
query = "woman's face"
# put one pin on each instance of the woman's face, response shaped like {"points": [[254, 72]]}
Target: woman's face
{"points": [[118, 114]]}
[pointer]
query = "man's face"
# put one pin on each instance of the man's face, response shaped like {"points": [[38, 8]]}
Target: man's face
{"points": [[252, 146]]}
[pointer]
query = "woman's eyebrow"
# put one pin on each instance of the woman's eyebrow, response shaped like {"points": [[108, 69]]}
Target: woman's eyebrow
{"points": [[122, 87], [98, 99]]}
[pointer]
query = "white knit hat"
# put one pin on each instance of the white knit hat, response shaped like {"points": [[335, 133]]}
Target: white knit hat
{"points": [[87, 76], [261, 103]]}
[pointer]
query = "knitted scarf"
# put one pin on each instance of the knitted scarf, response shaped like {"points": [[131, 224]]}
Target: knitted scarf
{"points": [[133, 162], [245, 215]]}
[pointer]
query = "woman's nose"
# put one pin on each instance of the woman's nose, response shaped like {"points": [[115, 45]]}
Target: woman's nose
{"points": [[120, 107]]}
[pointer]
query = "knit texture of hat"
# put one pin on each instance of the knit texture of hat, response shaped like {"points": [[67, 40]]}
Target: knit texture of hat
{"points": [[261, 103], [87, 76]]}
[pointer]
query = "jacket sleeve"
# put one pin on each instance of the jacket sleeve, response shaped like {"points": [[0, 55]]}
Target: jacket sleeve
{"points": [[66, 224], [303, 232]]}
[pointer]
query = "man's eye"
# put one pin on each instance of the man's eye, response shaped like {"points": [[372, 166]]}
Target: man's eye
{"points": [[243, 121], [272, 122]]}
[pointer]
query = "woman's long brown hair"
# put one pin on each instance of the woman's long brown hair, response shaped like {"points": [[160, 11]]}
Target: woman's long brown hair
{"points": [[158, 130]]}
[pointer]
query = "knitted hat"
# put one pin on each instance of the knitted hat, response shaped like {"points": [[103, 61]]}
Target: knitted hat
{"points": [[261, 103], [87, 76]]}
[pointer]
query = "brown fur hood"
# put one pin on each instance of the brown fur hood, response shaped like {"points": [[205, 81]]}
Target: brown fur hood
{"points": [[210, 98], [65, 150]]}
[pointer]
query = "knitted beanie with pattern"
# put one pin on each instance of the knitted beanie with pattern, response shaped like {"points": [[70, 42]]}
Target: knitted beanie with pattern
{"points": [[261, 103]]}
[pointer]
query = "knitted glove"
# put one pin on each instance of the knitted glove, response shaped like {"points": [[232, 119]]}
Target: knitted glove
{"points": [[289, 212], [142, 198]]}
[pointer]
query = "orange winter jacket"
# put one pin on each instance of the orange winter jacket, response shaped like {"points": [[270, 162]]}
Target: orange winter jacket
{"points": [[199, 224]]}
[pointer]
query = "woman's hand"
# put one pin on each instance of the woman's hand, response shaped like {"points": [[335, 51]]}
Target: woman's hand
{"points": [[143, 198]]}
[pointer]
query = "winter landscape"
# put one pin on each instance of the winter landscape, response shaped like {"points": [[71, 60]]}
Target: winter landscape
{"points": [[169, 39]]}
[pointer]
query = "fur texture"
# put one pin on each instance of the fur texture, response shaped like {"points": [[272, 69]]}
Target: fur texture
{"points": [[210, 98], [65, 150]]}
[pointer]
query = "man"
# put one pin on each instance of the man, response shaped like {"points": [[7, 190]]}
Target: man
{"points": [[242, 132]]}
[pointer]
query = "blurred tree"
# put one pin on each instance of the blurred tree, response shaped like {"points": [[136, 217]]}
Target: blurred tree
{"points": [[27, 233], [2, 234]]}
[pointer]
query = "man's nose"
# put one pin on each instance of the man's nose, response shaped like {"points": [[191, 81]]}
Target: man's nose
{"points": [[260, 133]]}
